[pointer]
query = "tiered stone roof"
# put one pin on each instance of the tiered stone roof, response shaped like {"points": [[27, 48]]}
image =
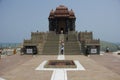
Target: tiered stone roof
{"points": [[62, 11]]}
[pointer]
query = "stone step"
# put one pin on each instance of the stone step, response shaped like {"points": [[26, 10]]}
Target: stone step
{"points": [[72, 46], [52, 44]]}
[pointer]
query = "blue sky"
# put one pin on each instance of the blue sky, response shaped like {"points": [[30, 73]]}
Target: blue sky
{"points": [[18, 18]]}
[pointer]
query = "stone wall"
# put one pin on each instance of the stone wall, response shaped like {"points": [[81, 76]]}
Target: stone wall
{"points": [[88, 44], [37, 40]]}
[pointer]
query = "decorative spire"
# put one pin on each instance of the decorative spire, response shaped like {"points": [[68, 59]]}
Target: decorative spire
{"points": [[62, 11]]}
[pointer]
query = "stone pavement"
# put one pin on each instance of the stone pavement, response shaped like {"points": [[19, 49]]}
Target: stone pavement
{"points": [[8, 63], [109, 60], [25, 69]]}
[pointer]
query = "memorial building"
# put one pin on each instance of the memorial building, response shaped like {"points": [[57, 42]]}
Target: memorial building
{"points": [[61, 21]]}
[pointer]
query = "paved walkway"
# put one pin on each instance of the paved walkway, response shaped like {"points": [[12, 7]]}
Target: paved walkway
{"points": [[59, 74], [8, 63], [25, 70], [109, 60]]}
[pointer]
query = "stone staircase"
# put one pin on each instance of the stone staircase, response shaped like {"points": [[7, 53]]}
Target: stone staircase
{"points": [[72, 45], [51, 47]]}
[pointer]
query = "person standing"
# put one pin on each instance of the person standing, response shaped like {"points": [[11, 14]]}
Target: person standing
{"points": [[62, 49], [67, 38], [62, 46], [0, 53], [14, 52], [107, 49]]}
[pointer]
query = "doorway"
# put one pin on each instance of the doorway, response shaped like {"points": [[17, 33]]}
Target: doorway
{"points": [[62, 26], [62, 31]]}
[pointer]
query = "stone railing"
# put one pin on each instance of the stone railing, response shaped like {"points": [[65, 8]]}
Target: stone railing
{"points": [[95, 41], [27, 41]]}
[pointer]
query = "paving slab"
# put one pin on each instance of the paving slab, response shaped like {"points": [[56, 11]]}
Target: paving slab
{"points": [[94, 71], [108, 60], [10, 62], [25, 70]]}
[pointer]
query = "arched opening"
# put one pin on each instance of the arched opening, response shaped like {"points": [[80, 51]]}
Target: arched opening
{"points": [[61, 31]]}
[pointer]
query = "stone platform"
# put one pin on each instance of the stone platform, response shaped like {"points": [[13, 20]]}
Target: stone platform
{"points": [[60, 64], [18, 67]]}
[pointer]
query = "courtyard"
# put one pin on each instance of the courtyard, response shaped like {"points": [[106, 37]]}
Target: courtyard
{"points": [[26, 67]]}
